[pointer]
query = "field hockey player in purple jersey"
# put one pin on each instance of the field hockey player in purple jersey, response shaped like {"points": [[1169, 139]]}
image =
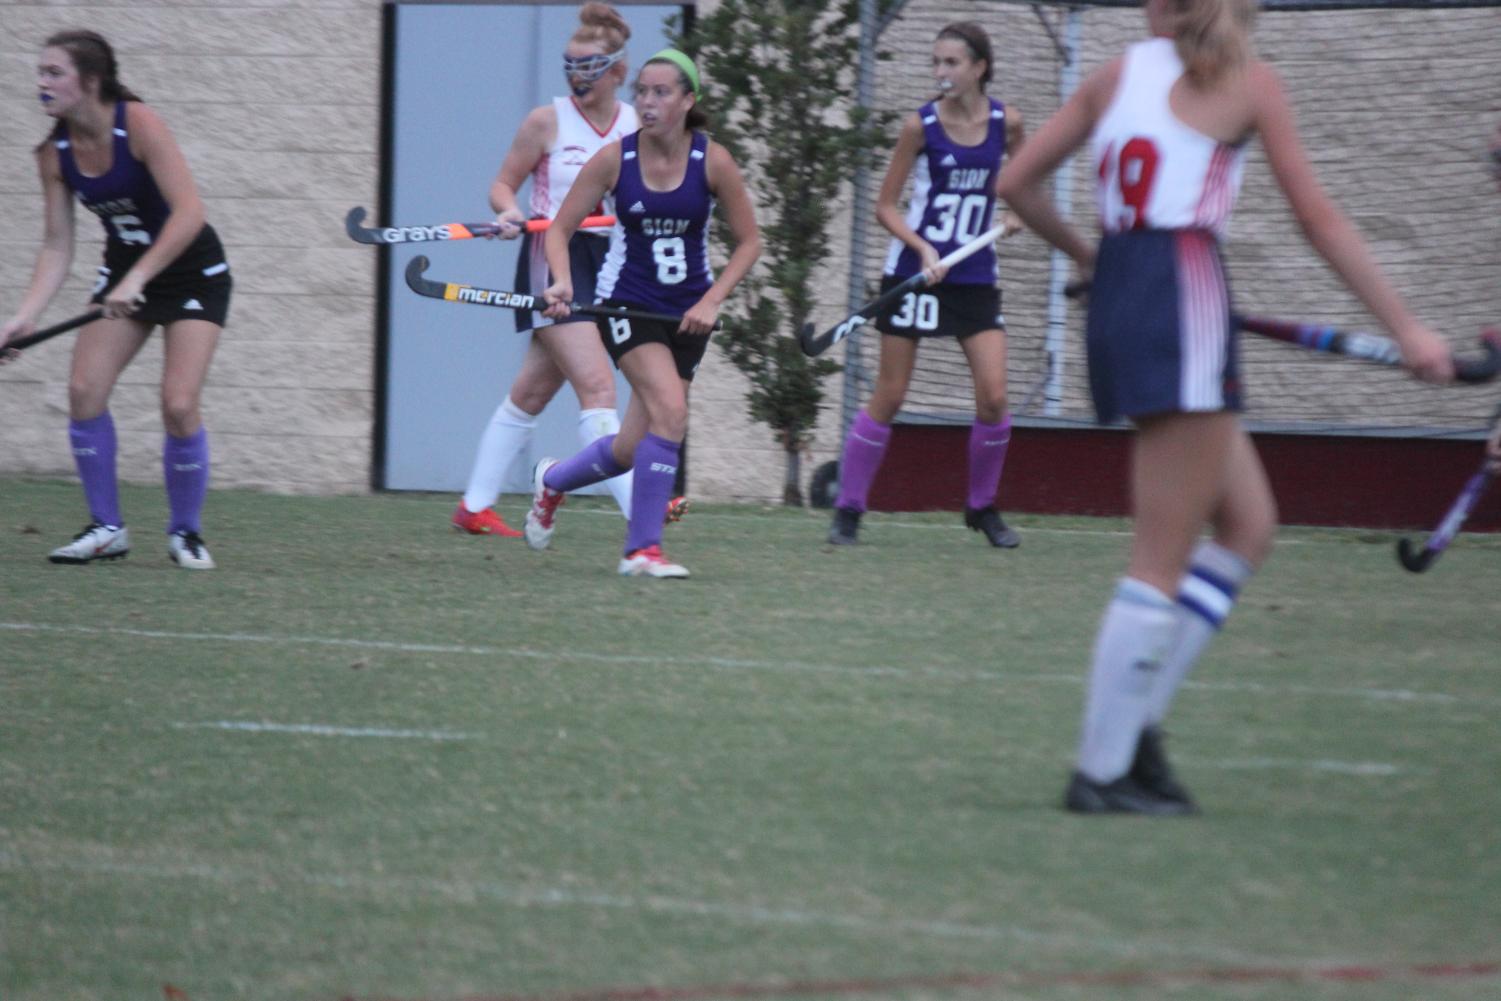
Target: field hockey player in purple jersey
{"points": [[551, 146], [163, 266], [1169, 123], [665, 180], [952, 148]]}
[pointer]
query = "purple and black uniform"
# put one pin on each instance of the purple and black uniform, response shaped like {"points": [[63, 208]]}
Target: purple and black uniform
{"points": [[953, 202], [133, 211], [659, 255]]}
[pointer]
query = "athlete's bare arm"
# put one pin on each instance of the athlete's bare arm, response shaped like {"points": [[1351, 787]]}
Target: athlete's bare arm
{"points": [[55, 257], [531, 143], [1021, 181], [152, 143], [595, 179], [729, 191], [1332, 234]]}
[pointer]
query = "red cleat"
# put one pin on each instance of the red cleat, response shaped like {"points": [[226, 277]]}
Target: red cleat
{"points": [[676, 508], [485, 522]]}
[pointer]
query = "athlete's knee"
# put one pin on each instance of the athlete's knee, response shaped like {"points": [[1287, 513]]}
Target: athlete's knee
{"points": [[885, 400], [1252, 532], [86, 398], [180, 413], [595, 391], [670, 420], [531, 398], [991, 405]]}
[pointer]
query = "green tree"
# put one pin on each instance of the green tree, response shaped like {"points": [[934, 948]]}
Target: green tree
{"points": [[779, 78]]}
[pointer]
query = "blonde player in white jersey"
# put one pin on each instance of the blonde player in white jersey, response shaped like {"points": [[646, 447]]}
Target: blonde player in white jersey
{"points": [[550, 147], [1168, 123]]}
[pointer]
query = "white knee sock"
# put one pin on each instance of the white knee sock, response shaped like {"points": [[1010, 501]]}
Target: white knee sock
{"points": [[506, 436], [1135, 636], [1205, 597], [593, 425]]}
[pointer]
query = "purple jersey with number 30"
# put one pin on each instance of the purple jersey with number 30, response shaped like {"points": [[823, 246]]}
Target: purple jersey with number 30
{"points": [[659, 249], [953, 198]]}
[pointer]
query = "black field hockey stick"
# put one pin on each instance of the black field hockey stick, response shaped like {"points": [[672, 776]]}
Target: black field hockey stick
{"points": [[47, 333], [1352, 343], [521, 301], [1418, 560], [447, 230], [814, 345]]}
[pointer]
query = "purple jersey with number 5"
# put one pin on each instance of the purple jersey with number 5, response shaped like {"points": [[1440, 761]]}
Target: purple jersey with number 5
{"points": [[125, 197], [133, 210], [659, 248], [953, 198]]}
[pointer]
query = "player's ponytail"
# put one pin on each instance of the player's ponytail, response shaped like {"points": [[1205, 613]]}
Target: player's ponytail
{"points": [[94, 59], [599, 22], [1212, 36]]}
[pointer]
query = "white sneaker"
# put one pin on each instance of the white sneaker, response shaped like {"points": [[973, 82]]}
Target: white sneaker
{"points": [[95, 542], [187, 551], [545, 504], [650, 562]]}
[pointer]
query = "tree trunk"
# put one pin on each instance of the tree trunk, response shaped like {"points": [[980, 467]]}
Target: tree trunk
{"points": [[792, 492]]}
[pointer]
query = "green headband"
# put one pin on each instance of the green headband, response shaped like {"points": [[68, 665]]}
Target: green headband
{"points": [[682, 62]]}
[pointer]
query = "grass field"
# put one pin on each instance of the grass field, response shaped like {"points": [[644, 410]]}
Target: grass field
{"points": [[370, 758]]}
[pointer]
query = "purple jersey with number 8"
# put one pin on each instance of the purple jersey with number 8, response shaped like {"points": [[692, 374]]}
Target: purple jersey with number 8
{"points": [[659, 248], [953, 198]]}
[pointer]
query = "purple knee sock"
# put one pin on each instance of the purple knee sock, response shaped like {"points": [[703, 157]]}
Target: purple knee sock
{"points": [[864, 448], [655, 470], [591, 464], [185, 468], [93, 443], [987, 455]]}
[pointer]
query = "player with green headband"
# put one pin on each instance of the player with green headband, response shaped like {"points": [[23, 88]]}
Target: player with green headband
{"points": [[665, 179]]}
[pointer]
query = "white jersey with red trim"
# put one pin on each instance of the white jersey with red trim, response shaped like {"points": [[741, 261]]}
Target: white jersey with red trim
{"points": [[1154, 171], [576, 141]]}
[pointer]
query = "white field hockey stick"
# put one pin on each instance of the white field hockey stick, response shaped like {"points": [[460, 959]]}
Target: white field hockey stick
{"points": [[520, 301], [814, 345], [448, 230]]}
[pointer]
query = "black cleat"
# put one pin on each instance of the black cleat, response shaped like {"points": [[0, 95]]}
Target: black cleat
{"points": [[1124, 795], [1151, 771], [988, 520], [845, 530]]}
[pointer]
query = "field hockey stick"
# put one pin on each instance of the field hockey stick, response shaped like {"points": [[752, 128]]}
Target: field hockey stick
{"points": [[814, 345], [1352, 343], [47, 333], [448, 230], [521, 301], [1373, 347], [1419, 560]]}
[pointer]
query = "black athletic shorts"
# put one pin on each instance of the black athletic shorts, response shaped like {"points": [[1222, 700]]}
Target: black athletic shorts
{"points": [[941, 311], [586, 255], [196, 286], [621, 335]]}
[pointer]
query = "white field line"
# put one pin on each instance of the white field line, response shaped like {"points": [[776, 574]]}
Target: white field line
{"points": [[320, 730], [1366, 769], [885, 522], [468, 891], [739, 664]]}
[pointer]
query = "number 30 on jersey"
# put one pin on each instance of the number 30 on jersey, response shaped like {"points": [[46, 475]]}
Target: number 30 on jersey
{"points": [[919, 309]]}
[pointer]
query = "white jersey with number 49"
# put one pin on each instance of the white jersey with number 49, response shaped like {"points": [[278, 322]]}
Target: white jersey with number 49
{"points": [[1154, 171]]}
